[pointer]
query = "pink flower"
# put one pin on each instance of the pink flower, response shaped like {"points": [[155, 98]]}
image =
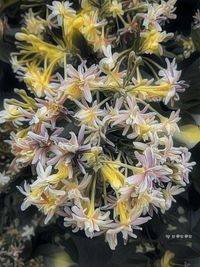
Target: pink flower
{"points": [[171, 76], [126, 229], [83, 78], [68, 150], [150, 172]]}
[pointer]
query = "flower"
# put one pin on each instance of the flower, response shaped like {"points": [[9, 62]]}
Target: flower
{"points": [[28, 232], [37, 48], [158, 13], [166, 259], [102, 155], [82, 79], [153, 17], [33, 24], [128, 222], [170, 77], [197, 19], [61, 10], [111, 173], [139, 121], [45, 198], [90, 26], [169, 192], [110, 60], [37, 79], [42, 175], [150, 171], [89, 221], [116, 8], [168, 8], [151, 41], [90, 116], [68, 149], [4, 179], [170, 124]]}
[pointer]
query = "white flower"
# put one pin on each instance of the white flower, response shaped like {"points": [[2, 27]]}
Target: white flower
{"points": [[142, 123], [133, 222], [110, 60], [170, 124], [61, 10], [28, 232], [151, 171], [197, 19], [83, 79], [4, 179], [33, 24], [39, 115], [153, 17], [169, 194], [43, 175], [157, 13], [168, 8], [171, 77], [90, 116], [90, 222]]}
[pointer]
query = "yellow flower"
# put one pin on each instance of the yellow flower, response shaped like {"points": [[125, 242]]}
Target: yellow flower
{"points": [[38, 79], [92, 156], [33, 25], [60, 175], [101, 41], [72, 24], [12, 108], [29, 102], [166, 259], [145, 90], [116, 8], [111, 174], [38, 48], [23, 151], [151, 41], [121, 210], [90, 26]]}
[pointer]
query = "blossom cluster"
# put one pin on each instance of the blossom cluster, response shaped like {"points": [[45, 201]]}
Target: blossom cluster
{"points": [[101, 151]]}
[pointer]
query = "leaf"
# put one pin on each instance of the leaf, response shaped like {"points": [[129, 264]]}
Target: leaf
{"points": [[188, 135]]}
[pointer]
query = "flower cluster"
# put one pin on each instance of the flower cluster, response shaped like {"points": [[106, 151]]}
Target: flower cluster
{"points": [[102, 154]]}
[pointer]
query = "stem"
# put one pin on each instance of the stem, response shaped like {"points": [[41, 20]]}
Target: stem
{"points": [[121, 164], [105, 193], [65, 67], [152, 62], [123, 21], [152, 70], [91, 210]]}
